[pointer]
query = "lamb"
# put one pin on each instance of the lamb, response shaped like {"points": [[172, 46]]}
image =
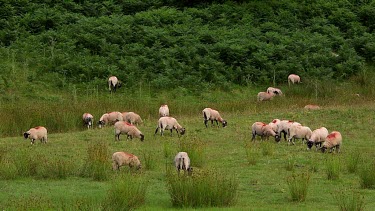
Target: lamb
{"points": [[123, 158], [88, 119], [333, 141], [312, 107], [283, 127], [182, 161], [263, 130], [293, 78], [113, 83], [213, 115], [122, 127], [298, 131], [132, 118], [36, 133], [264, 96], [318, 136], [110, 118], [163, 110], [276, 91], [169, 123]]}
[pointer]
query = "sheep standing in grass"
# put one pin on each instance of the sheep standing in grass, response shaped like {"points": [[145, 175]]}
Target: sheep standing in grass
{"points": [[169, 123], [182, 162], [125, 159], [88, 120], [122, 127], [318, 136], [110, 118], [113, 83], [312, 107], [283, 127], [298, 131], [133, 118], [264, 96], [293, 78], [36, 133], [333, 141], [213, 115], [275, 91], [163, 110], [263, 130]]}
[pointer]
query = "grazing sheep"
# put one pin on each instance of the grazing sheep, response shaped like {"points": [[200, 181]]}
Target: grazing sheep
{"points": [[274, 125], [110, 118], [163, 110], [122, 127], [299, 131], [213, 115], [318, 136], [182, 162], [264, 96], [88, 120], [333, 141], [293, 78], [263, 130], [36, 133], [276, 91], [113, 83], [283, 127], [312, 107], [123, 115], [133, 118], [169, 123], [123, 158]]}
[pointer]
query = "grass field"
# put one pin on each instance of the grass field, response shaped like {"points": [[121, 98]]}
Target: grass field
{"points": [[261, 169]]}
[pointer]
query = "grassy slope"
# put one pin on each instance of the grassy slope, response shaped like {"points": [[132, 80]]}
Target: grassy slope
{"points": [[262, 186]]}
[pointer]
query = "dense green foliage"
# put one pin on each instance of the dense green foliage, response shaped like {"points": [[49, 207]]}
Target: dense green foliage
{"points": [[185, 44]]}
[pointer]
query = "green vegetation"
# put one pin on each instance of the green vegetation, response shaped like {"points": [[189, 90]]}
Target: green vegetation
{"points": [[298, 186]]}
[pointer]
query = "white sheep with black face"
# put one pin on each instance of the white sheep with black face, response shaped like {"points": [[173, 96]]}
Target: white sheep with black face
{"points": [[317, 138], [169, 123], [263, 130], [283, 127], [88, 120], [110, 118], [332, 141], [37, 133], [212, 115], [275, 91], [298, 132], [182, 162], [125, 159], [122, 127], [113, 83], [163, 110]]}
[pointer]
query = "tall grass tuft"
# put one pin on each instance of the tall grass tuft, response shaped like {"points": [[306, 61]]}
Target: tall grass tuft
{"points": [[349, 200], [290, 163], [55, 169], [353, 159], [148, 161], [333, 167], [298, 186], [30, 202], [252, 153], [27, 162], [367, 175], [96, 163], [127, 192], [202, 189], [195, 149], [268, 148]]}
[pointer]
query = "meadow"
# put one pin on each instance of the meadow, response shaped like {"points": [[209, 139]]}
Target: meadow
{"points": [[62, 174]]}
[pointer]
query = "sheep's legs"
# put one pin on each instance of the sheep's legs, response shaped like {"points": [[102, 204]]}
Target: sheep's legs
{"points": [[171, 131], [205, 122]]}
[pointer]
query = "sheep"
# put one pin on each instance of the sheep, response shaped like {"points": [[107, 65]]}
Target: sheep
{"points": [[276, 91], [299, 131], [293, 78], [163, 110], [113, 83], [333, 141], [88, 119], [263, 130], [274, 125], [264, 96], [123, 158], [169, 123], [312, 107], [110, 118], [132, 118], [213, 115], [123, 115], [122, 127], [36, 133], [182, 161], [283, 127], [318, 136]]}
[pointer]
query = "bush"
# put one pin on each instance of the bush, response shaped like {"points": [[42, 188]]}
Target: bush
{"points": [[298, 186]]}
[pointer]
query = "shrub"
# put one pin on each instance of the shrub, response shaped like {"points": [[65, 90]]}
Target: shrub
{"points": [[127, 192], [367, 175], [333, 168], [298, 186], [349, 200], [96, 163], [202, 189]]}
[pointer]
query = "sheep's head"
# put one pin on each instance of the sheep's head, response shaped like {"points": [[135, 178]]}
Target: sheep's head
{"points": [[142, 137], [323, 149], [225, 123], [119, 84], [139, 166], [101, 124], [182, 131], [310, 144], [26, 134], [277, 138]]}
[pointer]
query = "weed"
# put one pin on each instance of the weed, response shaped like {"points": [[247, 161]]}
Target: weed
{"points": [[148, 160], [96, 163], [333, 168], [367, 175], [349, 200], [298, 186], [352, 162]]}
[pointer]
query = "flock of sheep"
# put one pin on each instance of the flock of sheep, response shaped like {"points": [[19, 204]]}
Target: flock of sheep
{"points": [[126, 123]]}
